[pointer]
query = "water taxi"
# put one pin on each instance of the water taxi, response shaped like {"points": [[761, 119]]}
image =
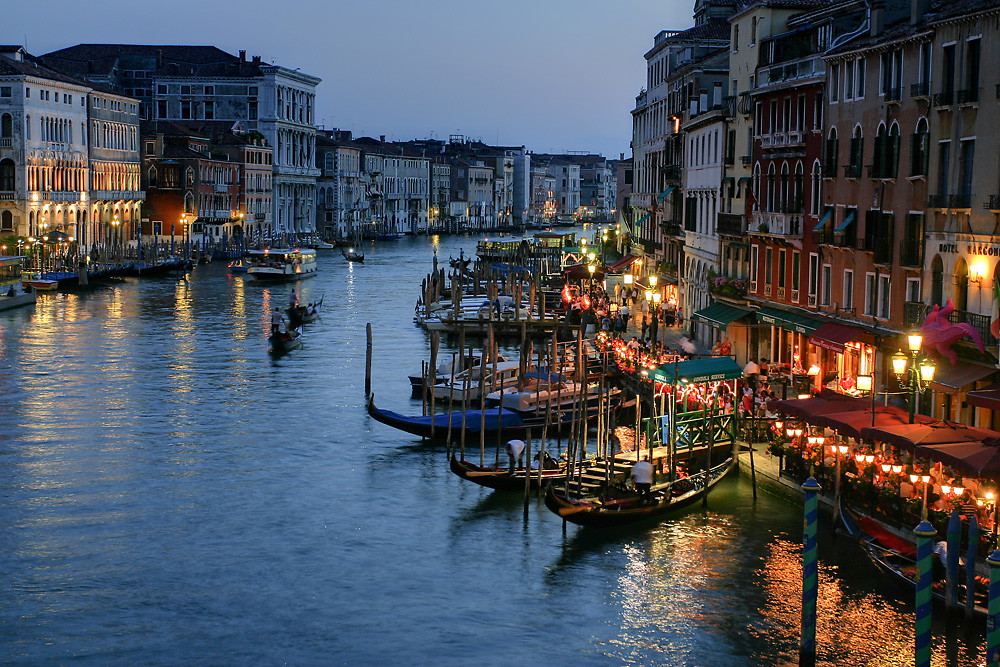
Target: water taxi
{"points": [[280, 264]]}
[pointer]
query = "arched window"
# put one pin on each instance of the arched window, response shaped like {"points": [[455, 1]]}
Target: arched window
{"points": [[919, 149], [27, 127], [6, 221], [189, 177], [189, 203], [756, 187], [816, 193], [892, 152], [961, 299], [857, 153], [7, 175], [880, 153], [6, 126], [152, 176], [772, 196]]}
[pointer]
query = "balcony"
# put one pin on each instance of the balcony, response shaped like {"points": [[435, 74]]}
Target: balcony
{"points": [[894, 94], [852, 171], [731, 224], [6, 142], [117, 195], [829, 170], [944, 99], [968, 96], [992, 203], [776, 224], [746, 160], [672, 228], [949, 201], [881, 171], [6, 196], [222, 187], [920, 89], [914, 315], [60, 195], [782, 139], [791, 71], [672, 172]]}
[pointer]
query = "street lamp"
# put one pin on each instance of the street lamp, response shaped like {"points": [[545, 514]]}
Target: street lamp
{"points": [[919, 375], [592, 269]]}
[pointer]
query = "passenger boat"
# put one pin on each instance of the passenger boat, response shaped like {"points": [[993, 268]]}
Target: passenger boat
{"points": [[502, 479], [282, 342], [39, 284], [616, 509], [494, 420], [352, 255], [281, 264], [896, 556], [467, 385]]}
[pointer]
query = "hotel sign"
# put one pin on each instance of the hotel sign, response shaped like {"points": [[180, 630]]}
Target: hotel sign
{"points": [[971, 249]]}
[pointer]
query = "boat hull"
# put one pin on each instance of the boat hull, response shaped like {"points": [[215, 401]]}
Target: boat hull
{"points": [[502, 479]]}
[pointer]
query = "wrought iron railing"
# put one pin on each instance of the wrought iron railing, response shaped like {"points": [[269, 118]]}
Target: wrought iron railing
{"points": [[920, 89], [914, 315], [968, 96]]}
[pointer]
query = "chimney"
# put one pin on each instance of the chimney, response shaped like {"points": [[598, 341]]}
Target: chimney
{"points": [[876, 18], [381, 138], [243, 55], [918, 8], [621, 156], [256, 60]]}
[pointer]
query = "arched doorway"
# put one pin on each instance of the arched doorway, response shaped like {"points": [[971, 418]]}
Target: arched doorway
{"points": [[961, 299], [937, 281]]}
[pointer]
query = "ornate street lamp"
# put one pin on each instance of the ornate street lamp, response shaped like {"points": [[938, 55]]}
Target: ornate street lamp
{"points": [[919, 375]]}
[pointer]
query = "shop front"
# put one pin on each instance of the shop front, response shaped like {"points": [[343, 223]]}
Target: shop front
{"points": [[841, 355], [791, 357], [731, 327], [953, 386]]}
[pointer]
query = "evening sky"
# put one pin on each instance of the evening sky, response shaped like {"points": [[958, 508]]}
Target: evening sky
{"points": [[553, 75]]}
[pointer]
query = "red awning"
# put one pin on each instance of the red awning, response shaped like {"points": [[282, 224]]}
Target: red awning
{"points": [[833, 336], [930, 432], [622, 263], [951, 379], [987, 398], [826, 402], [977, 459]]}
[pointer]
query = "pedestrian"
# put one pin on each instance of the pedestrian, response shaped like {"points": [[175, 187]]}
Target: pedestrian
{"points": [[645, 326], [293, 299]]}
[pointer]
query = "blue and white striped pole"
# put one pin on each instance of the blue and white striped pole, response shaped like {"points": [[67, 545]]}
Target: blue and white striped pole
{"points": [[922, 645], [993, 617], [810, 575]]}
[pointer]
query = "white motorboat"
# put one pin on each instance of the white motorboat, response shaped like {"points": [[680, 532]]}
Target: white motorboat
{"points": [[281, 264], [541, 390]]}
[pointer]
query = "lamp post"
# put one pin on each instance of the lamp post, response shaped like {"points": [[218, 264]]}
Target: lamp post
{"points": [[115, 222], [919, 375], [592, 269]]}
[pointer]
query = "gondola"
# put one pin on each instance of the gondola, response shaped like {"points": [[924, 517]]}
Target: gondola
{"points": [[629, 508], [281, 343], [502, 479], [299, 315], [896, 557], [506, 421], [352, 255]]}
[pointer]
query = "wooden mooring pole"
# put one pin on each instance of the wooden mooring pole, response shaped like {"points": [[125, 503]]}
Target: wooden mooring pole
{"points": [[368, 360]]}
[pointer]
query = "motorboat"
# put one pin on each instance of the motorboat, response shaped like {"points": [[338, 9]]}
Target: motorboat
{"points": [[238, 266], [468, 384], [282, 264]]}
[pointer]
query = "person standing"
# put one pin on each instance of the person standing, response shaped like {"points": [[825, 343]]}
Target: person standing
{"points": [[642, 477], [277, 319]]}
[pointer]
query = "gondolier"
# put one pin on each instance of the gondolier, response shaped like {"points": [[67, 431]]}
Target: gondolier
{"points": [[642, 477], [514, 450]]}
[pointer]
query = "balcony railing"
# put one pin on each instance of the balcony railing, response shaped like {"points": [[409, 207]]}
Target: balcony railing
{"points": [[672, 172], [730, 223], [968, 96], [949, 201], [944, 99], [920, 89], [6, 142], [797, 70], [776, 224], [852, 171], [914, 315], [672, 228], [746, 160], [894, 94], [992, 203], [6, 196]]}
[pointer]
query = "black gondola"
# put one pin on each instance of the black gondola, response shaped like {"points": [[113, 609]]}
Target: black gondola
{"points": [[502, 479]]}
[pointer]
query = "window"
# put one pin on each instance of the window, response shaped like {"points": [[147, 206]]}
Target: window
{"points": [[919, 149], [27, 93], [5, 91], [161, 108], [883, 297], [967, 150], [7, 171], [150, 147], [736, 37], [834, 82], [848, 80], [209, 110], [827, 283], [782, 257], [768, 265], [944, 160], [753, 265], [813, 274], [6, 126], [912, 249], [210, 90], [869, 294], [948, 68], [860, 78], [913, 290], [848, 296], [185, 109], [57, 94], [972, 69], [185, 90], [161, 89], [924, 73], [252, 90], [27, 128], [796, 261], [753, 30]]}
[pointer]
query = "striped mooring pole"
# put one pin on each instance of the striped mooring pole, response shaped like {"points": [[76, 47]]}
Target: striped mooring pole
{"points": [[993, 612], [922, 643], [810, 575]]}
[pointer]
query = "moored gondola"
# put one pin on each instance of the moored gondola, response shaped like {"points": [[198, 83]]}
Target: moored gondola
{"points": [[503, 479], [506, 421], [608, 511]]}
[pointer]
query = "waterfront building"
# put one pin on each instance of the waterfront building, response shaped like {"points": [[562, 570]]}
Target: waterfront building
{"points": [[439, 218], [340, 194], [543, 195], [185, 83], [68, 156]]}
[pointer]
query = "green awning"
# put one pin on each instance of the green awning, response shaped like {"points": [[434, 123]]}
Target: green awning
{"points": [[825, 219], [848, 219], [720, 314], [739, 184], [663, 195], [710, 369], [728, 179], [788, 320]]}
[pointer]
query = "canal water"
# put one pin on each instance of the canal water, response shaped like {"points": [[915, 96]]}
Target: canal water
{"points": [[169, 494]]}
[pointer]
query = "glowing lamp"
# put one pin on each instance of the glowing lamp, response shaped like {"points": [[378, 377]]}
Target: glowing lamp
{"points": [[977, 272], [798, 432], [869, 458], [914, 478], [989, 495], [649, 295], [885, 468], [896, 469], [864, 383], [592, 269], [958, 490], [813, 371], [899, 364], [946, 489], [914, 341], [804, 396], [583, 241], [925, 479], [790, 432], [843, 449], [927, 370], [859, 457], [779, 425], [652, 281], [628, 278], [657, 297]]}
